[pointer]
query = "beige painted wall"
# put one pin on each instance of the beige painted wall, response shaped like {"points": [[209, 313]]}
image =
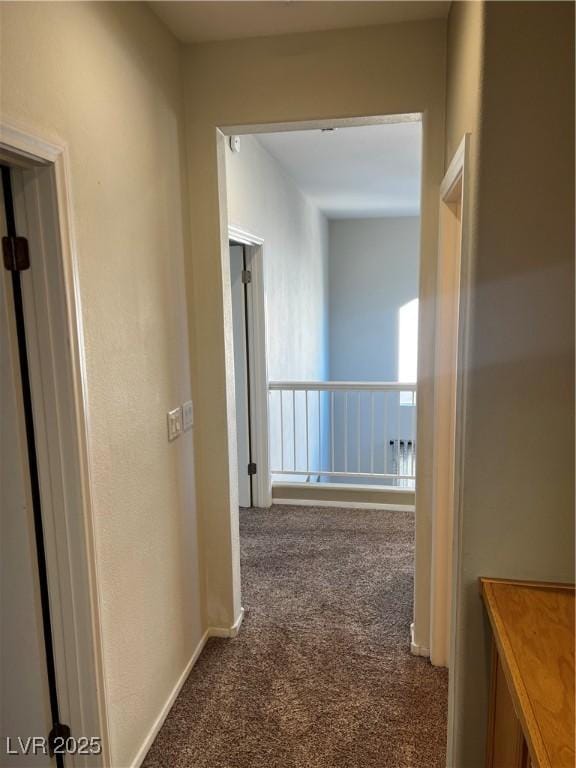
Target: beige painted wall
{"points": [[380, 70], [265, 201], [104, 78], [518, 496]]}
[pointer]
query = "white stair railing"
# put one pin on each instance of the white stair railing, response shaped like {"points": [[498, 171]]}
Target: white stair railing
{"points": [[323, 430]]}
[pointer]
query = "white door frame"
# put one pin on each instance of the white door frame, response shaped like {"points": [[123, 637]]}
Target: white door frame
{"points": [[58, 383], [446, 518], [257, 370], [223, 132]]}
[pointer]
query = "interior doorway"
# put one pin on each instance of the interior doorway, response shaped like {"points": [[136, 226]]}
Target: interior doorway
{"points": [[52, 675], [248, 314], [28, 662], [240, 277]]}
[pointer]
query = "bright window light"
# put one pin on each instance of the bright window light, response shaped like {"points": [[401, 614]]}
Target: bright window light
{"points": [[408, 348]]}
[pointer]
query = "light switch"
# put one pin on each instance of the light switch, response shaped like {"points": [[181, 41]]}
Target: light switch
{"points": [[174, 423], [187, 415]]}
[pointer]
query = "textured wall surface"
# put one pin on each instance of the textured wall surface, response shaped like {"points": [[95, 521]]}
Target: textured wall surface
{"points": [[264, 200], [373, 272], [518, 494], [104, 79]]}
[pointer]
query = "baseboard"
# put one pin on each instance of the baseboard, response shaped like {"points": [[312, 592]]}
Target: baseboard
{"points": [[159, 722], [344, 504], [415, 649], [227, 631], [343, 487]]}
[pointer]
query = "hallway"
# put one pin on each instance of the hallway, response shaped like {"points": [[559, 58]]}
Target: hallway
{"points": [[321, 674]]}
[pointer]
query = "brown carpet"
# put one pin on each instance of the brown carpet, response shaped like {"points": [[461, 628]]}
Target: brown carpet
{"points": [[321, 674]]}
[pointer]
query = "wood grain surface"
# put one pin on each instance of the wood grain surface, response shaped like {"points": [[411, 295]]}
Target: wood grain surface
{"points": [[533, 626]]}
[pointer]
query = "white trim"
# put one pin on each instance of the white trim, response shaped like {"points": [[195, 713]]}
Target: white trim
{"points": [[31, 148], [464, 344], [334, 122], [445, 537], [415, 648], [343, 487], [168, 704], [262, 486], [455, 169], [343, 504], [58, 382], [244, 237], [227, 631]]}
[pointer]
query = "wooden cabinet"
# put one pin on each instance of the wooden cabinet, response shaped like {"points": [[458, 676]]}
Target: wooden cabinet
{"points": [[531, 716]]}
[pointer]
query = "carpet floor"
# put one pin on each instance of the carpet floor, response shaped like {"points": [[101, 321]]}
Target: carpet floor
{"points": [[321, 674]]}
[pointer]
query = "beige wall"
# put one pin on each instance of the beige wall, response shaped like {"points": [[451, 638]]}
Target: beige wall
{"points": [[104, 78], [464, 60], [518, 498], [362, 72], [265, 201]]}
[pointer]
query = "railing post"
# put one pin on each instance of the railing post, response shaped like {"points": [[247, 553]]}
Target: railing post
{"points": [[358, 431], [307, 454], [282, 429], [294, 426], [319, 432], [346, 432], [372, 432], [332, 430]]}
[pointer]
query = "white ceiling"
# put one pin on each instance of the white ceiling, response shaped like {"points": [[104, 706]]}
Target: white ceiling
{"points": [[358, 172], [194, 22]]}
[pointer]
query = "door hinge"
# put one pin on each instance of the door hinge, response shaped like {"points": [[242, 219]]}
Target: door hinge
{"points": [[16, 255], [59, 731], [252, 468], [246, 276]]}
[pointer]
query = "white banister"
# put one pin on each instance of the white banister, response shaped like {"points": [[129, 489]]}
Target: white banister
{"points": [[380, 446]]}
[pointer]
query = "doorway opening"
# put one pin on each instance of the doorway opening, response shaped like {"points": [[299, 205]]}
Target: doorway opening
{"points": [[52, 671], [240, 277], [246, 255], [339, 208], [27, 569], [340, 415]]}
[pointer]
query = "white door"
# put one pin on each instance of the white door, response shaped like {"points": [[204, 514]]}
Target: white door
{"points": [[24, 698], [240, 373]]}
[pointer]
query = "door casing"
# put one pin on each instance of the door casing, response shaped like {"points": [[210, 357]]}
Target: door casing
{"points": [[257, 370], [58, 384], [450, 387]]}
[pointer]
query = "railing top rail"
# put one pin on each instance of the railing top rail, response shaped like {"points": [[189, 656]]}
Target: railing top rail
{"points": [[348, 386]]}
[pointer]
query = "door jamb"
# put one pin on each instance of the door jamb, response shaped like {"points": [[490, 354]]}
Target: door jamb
{"points": [[258, 371], [460, 164], [58, 382], [457, 173], [459, 169]]}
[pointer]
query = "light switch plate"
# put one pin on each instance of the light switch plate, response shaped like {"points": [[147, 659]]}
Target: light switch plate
{"points": [[187, 415], [174, 423]]}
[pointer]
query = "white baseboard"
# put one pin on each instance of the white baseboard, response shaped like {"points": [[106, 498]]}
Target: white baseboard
{"points": [[344, 504], [227, 631], [415, 649], [343, 487], [159, 722]]}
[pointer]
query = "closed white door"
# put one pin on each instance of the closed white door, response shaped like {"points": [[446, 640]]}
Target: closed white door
{"points": [[24, 697], [240, 373]]}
